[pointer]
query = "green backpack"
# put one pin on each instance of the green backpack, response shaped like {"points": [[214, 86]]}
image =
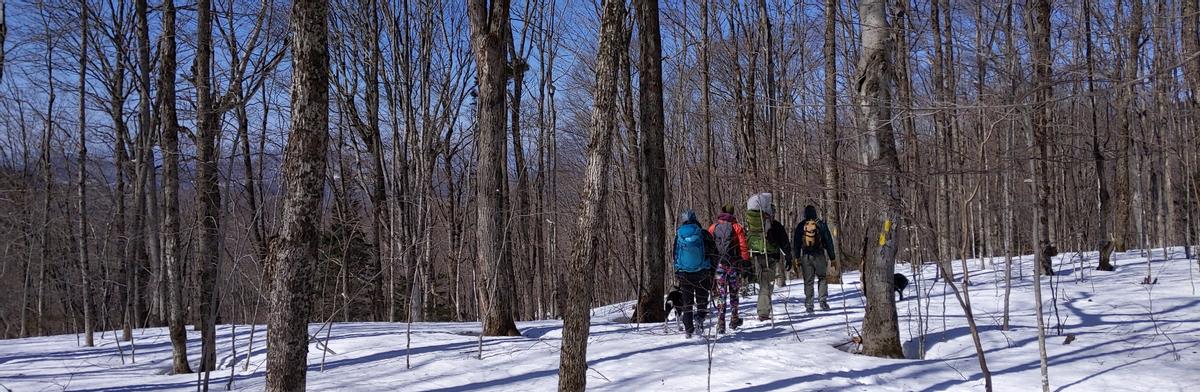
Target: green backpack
{"points": [[757, 224]]}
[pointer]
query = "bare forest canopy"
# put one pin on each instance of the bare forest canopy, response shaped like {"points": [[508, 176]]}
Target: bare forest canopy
{"points": [[756, 97]]}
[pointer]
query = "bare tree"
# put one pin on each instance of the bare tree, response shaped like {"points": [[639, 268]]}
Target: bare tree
{"points": [[294, 253], [653, 168], [1038, 28], [711, 187], [1128, 63], [881, 331], [3, 35], [831, 180], [169, 128], [208, 194], [489, 27], [572, 370], [81, 186], [1104, 203]]}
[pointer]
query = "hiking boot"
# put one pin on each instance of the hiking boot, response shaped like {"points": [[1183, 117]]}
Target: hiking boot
{"points": [[824, 306], [764, 318], [808, 309], [735, 323], [721, 329]]}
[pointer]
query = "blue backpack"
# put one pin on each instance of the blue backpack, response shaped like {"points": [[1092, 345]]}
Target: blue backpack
{"points": [[689, 249]]}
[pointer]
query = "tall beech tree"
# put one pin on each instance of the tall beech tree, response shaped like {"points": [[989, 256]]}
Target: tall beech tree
{"points": [[294, 252], [880, 330]]}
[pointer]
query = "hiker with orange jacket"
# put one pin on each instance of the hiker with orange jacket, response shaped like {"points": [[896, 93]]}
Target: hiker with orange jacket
{"points": [[733, 256]]}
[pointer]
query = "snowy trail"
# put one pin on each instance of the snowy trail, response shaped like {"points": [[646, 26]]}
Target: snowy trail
{"points": [[1117, 345]]}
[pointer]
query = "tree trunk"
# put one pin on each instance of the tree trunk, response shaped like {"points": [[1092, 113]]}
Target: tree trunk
{"points": [[3, 37], [524, 220], [294, 254], [208, 194], [1128, 63], [1103, 202], [572, 372], [653, 168], [832, 179], [115, 73], [881, 330], [712, 187], [169, 127], [489, 25], [1038, 28], [84, 267], [372, 137]]}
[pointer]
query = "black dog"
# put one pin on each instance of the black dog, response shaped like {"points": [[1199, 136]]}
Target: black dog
{"points": [[674, 302], [900, 282]]}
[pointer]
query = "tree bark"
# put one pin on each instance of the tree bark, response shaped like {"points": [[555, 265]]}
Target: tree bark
{"points": [[84, 266], [712, 187], [294, 254], [114, 73], [169, 127], [881, 330], [489, 25], [372, 137], [208, 194], [653, 168], [1038, 28], [3, 38], [572, 372], [1103, 200], [832, 178], [1128, 63]]}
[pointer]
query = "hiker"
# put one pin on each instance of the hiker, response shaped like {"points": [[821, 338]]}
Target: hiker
{"points": [[814, 250], [777, 234], [767, 240], [733, 256], [694, 251]]}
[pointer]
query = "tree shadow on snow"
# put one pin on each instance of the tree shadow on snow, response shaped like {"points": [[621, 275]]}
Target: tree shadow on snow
{"points": [[550, 372]]}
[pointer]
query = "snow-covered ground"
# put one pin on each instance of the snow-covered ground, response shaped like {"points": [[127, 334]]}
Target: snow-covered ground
{"points": [[1122, 341]]}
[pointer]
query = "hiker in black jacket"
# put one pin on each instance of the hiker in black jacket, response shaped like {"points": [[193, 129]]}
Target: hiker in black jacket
{"points": [[777, 235], [815, 250]]}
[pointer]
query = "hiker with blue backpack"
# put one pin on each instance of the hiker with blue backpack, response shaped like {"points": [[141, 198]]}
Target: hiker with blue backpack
{"points": [[693, 253]]}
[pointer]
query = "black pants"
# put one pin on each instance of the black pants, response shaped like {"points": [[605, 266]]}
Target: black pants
{"points": [[695, 287]]}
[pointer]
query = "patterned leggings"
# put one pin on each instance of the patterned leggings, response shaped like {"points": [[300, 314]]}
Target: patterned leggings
{"points": [[727, 291]]}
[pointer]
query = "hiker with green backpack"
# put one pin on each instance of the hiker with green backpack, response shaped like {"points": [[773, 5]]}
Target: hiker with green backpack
{"points": [[768, 243]]}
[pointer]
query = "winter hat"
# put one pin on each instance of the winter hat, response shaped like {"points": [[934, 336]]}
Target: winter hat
{"points": [[810, 212], [689, 216], [728, 208]]}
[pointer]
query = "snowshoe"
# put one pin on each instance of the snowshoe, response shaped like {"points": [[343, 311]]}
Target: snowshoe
{"points": [[824, 306]]}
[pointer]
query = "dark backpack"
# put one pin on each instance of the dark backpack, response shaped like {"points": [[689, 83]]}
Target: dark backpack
{"points": [[811, 239], [726, 247]]}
